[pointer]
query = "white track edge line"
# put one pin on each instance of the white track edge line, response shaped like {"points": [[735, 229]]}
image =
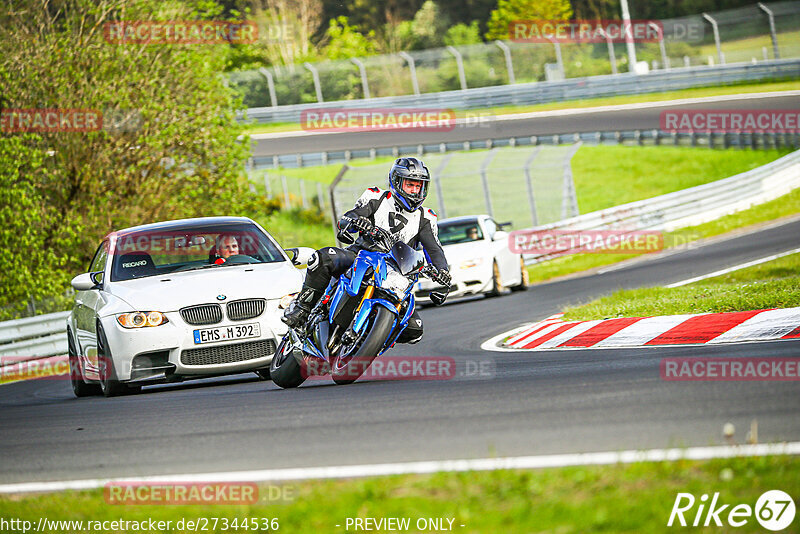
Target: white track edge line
{"points": [[426, 467], [734, 268]]}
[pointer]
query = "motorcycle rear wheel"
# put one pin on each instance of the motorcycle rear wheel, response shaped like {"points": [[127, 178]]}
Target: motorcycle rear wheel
{"points": [[349, 367]]}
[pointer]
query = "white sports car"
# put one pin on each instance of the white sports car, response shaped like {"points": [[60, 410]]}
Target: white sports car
{"points": [[480, 261], [180, 299]]}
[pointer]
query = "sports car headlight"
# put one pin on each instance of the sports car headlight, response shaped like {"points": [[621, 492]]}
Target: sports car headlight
{"points": [[471, 263], [286, 300], [141, 319], [396, 283]]}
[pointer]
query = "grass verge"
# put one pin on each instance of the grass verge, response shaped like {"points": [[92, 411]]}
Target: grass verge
{"points": [[613, 498], [774, 284], [749, 87]]}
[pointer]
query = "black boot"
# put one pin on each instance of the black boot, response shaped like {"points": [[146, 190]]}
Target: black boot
{"points": [[297, 312]]}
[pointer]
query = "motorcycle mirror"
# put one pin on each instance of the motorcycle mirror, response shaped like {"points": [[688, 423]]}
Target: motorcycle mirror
{"points": [[437, 297]]}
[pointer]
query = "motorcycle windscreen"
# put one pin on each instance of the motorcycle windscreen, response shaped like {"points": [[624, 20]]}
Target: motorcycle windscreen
{"points": [[407, 259]]}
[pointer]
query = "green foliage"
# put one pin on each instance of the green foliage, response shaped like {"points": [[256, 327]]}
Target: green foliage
{"points": [[463, 34], [168, 147], [429, 27], [345, 41], [510, 10]]}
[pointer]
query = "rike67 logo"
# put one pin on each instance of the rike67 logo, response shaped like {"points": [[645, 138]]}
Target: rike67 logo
{"points": [[774, 510]]}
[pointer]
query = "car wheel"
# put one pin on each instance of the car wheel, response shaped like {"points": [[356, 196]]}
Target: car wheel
{"points": [[524, 277], [79, 386], [109, 385], [497, 285]]}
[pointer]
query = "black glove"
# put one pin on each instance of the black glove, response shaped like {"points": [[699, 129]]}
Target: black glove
{"points": [[362, 224], [442, 277], [380, 236]]}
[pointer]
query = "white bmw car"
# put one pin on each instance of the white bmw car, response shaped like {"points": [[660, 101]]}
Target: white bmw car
{"points": [[164, 302], [480, 261]]}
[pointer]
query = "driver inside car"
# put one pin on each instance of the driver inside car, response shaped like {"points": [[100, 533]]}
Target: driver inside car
{"points": [[396, 212], [225, 247]]}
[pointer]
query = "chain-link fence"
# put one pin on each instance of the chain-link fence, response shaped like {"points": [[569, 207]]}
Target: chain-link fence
{"points": [[523, 185], [753, 33], [289, 191]]}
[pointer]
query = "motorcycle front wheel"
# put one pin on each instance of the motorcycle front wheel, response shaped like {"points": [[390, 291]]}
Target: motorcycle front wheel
{"points": [[285, 370], [353, 360]]}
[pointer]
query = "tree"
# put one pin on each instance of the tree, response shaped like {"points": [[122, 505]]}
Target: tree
{"points": [[510, 10], [169, 146], [461, 34], [345, 41]]}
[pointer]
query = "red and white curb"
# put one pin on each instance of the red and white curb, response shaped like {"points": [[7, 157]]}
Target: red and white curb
{"points": [[705, 328]]}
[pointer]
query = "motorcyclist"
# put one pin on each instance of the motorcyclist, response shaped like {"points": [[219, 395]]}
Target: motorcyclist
{"points": [[397, 211]]}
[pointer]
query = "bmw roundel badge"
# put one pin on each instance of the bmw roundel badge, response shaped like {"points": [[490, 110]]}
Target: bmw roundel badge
{"points": [[221, 297]]}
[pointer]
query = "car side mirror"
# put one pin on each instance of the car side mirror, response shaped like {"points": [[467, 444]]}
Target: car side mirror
{"points": [[500, 235], [299, 256], [87, 281]]}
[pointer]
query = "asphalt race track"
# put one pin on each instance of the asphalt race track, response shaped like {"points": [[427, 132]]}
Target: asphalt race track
{"points": [[575, 121], [527, 403]]}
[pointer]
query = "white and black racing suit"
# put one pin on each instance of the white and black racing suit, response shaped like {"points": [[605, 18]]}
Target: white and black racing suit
{"points": [[413, 228]]}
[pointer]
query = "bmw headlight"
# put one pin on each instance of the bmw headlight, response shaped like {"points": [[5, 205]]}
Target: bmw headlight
{"points": [[396, 283], [468, 264], [140, 319], [286, 300]]}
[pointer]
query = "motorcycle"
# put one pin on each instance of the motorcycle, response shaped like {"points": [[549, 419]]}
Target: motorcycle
{"points": [[359, 317]]}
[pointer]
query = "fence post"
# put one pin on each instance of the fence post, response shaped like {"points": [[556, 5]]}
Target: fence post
{"points": [[271, 85], [315, 75], [285, 192], [332, 192], [485, 179], [529, 183], [772, 32], [413, 69], [437, 182], [664, 58], [320, 197], [363, 72], [509, 64], [569, 201], [716, 37], [303, 194], [460, 64], [267, 185], [559, 59], [611, 56]]}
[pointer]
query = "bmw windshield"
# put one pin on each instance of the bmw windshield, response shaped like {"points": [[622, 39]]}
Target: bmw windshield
{"points": [[155, 252]]}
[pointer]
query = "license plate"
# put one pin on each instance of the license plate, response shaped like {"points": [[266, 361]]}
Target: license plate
{"points": [[226, 333]]}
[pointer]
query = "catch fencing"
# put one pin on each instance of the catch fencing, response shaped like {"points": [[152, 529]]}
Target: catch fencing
{"points": [[755, 33], [521, 185]]}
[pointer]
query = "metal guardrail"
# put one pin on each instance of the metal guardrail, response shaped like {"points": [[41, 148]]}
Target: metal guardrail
{"points": [[693, 206], [641, 137], [542, 92], [34, 337]]}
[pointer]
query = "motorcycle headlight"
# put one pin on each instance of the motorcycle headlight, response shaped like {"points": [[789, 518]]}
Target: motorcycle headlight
{"points": [[286, 300], [140, 319], [396, 283], [471, 263]]}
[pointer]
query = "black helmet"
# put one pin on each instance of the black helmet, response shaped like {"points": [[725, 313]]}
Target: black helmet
{"points": [[414, 169]]}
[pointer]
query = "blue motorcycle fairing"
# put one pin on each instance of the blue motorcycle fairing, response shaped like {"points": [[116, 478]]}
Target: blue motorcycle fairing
{"points": [[403, 322], [366, 308]]}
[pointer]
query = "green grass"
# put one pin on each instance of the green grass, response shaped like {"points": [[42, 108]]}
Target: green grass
{"points": [[607, 176], [615, 498], [775, 284], [733, 89], [745, 49]]}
